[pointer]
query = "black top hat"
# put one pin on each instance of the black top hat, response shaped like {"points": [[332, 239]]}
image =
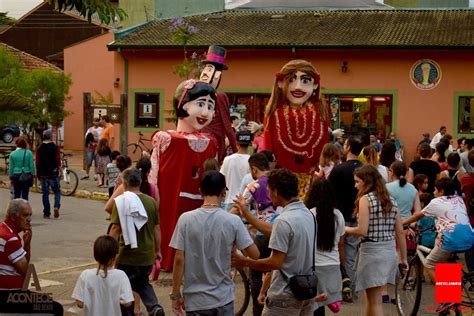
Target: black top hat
{"points": [[216, 56]]}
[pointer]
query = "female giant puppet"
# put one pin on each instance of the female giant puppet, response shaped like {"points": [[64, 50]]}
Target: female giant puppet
{"points": [[296, 127], [178, 157]]}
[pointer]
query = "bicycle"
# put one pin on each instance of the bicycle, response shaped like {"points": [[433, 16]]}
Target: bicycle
{"points": [[408, 287], [69, 180], [241, 280], [135, 150]]}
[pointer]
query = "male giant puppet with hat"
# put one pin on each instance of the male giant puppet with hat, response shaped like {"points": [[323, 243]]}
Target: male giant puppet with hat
{"points": [[178, 157], [220, 126]]}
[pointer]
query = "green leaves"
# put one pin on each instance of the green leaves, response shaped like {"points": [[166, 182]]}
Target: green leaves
{"points": [[31, 98], [106, 11]]}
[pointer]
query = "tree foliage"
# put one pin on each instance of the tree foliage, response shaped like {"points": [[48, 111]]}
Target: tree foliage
{"points": [[106, 11], [6, 20], [32, 99]]}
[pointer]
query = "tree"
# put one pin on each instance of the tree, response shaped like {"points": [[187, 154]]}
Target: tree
{"points": [[106, 11], [33, 99], [6, 20]]}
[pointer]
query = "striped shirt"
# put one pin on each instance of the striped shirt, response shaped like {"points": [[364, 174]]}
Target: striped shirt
{"points": [[11, 251]]}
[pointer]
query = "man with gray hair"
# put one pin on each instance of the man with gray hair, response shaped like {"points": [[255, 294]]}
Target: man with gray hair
{"points": [[136, 224], [15, 257]]}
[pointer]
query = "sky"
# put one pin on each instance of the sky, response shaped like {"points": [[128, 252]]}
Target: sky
{"points": [[17, 8]]}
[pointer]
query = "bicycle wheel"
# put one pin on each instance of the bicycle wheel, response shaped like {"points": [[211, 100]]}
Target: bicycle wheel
{"points": [[134, 152], [69, 182], [408, 289], [242, 290]]}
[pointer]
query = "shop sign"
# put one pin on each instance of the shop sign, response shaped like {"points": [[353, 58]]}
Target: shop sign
{"points": [[425, 74]]}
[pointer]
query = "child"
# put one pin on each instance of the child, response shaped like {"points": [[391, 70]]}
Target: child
{"points": [[455, 233], [426, 224], [329, 158], [421, 183], [102, 158], [123, 162], [112, 172], [331, 226], [101, 291]]}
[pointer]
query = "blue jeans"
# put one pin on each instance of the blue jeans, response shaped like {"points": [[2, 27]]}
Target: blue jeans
{"points": [[351, 246], [138, 276], [20, 190], [46, 183], [226, 310]]}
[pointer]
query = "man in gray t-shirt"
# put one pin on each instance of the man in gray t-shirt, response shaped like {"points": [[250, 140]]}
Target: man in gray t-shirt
{"points": [[292, 242], [204, 239]]}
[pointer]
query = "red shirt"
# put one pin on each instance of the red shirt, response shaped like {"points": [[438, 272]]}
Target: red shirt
{"points": [[467, 183], [11, 251]]}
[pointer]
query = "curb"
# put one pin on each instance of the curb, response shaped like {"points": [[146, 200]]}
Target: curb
{"points": [[84, 194]]}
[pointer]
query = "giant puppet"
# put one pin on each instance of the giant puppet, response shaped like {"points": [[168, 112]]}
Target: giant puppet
{"points": [[220, 126], [296, 120], [178, 157]]}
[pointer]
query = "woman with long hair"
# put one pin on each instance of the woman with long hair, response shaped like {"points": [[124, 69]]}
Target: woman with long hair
{"points": [[440, 155], [372, 158], [387, 154], [321, 201], [379, 224]]}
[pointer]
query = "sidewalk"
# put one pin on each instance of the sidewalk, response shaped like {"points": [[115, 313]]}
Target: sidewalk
{"points": [[86, 188]]}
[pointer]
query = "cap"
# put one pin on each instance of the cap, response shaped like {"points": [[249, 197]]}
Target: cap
{"points": [[244, 138], [48, 134]]}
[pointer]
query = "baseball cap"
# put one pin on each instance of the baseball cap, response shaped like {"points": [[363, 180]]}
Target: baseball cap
{"points": [[48, 134], [244, 138]]}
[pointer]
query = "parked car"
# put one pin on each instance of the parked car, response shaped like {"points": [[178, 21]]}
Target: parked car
{"points": [[9, 132]]}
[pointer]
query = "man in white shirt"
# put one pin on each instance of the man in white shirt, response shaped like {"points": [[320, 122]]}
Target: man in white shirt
{"points": [[236, 166], [438, 136]]}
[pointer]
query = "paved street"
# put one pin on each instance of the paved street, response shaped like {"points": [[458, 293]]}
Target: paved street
{"points": [[62, 248]]}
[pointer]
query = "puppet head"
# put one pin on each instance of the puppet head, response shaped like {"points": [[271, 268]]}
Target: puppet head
{"points": [[296, 83], [194, 102], [213, 66]]}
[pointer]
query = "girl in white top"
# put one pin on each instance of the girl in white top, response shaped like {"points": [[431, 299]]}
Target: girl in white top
{"points": [[101, 291], [321, 202], [330, 157]]}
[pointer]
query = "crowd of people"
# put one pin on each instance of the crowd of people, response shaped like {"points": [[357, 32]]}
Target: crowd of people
{"points": [[291, 203]]}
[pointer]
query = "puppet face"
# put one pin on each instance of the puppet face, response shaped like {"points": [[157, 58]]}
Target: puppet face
{"points": [[201, 112], [300, 88], [211, 75]]}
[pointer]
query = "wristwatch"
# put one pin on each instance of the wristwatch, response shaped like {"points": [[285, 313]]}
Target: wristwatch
{"points": [[175, 296]]}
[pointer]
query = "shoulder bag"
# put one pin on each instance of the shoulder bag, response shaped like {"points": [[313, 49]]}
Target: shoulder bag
{"points": [[26, 178], [304, 287]]}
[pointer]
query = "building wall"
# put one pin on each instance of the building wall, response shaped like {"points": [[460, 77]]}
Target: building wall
{"points": [[92, 68], [369, 72], [138, 11]]}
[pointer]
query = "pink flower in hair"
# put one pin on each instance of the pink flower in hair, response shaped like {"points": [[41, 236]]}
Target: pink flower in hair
{"points": [[189, 84]]}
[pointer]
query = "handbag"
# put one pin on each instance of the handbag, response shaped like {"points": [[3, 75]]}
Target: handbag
{"points": [[25, 178], [304, 287]]}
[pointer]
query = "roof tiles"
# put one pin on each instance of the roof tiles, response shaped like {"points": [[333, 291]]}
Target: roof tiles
{"points": [[315, 29], [30, 62]]}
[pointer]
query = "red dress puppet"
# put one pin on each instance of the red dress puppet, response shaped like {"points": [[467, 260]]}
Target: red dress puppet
{"points": [[296, 124], [178, 157]]}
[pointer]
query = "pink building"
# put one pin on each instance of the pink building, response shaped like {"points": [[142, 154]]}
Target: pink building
{"points": [[408, 71]]}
